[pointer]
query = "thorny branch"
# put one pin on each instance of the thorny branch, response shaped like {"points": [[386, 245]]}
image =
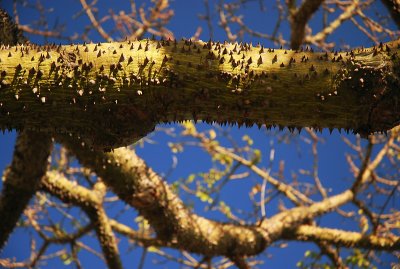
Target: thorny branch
{"points": [[172, 225]]}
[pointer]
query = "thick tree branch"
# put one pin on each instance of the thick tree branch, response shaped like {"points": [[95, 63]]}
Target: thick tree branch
{"points": [[136, 184], [22, 178], [112, 94], [394, 8], [298, 20]]}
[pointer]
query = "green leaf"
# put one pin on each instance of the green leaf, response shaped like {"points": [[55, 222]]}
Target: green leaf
{"points": [[204, 197], [247, 139]]}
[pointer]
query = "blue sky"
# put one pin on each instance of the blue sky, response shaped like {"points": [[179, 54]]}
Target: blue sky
{"points": [[333, 169]]}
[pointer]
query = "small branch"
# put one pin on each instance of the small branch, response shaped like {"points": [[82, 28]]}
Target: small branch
{"points": [[332, 254], [367, 169], [321, 36], [91, 203], [291, 193], [105, 236], [343, 238], [94, 21], [240, 262]]}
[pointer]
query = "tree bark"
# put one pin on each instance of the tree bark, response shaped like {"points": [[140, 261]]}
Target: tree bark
{"points": [[176, 226], [112, 94], [22, 178], [29, 164]]}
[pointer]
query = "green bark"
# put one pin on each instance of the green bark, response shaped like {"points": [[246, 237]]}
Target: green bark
{"points": [[112, 94]]}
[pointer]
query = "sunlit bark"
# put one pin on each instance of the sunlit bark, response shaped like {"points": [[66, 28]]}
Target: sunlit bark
{"points": [[112, 94]]}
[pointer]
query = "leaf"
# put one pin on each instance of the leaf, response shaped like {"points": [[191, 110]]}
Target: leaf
{"points": [[204, 197], [256, 156], [190, 128], [153, 249], [190, 178], [247, 139], [212, 134]]}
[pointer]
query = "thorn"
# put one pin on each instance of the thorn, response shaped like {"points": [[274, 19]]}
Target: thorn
{"points": [[145, 62], [259, 61], [275, 59]]}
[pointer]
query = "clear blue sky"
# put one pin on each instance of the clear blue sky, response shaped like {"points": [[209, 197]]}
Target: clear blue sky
{"points": [[332, 165]]}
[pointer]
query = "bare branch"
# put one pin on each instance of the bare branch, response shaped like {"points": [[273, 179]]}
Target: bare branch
{"points": [[94, 21], [91, 202], [321, 36]]}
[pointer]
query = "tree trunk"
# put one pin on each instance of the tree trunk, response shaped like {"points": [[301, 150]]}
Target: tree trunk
{"points": [[112, 94]]}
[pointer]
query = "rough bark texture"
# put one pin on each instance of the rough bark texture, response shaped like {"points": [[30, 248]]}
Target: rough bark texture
{"points": [[177, 227], [22, 178], [29, 163], [112, 94], [91, 203]]}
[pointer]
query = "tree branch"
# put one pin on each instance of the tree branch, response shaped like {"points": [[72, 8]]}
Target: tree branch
{"points": [[113, 94], [394, 8], [22, 178], [9, 32], [298, 20], [322, 35], [136, 184], [342, 238], [91, 203]]}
